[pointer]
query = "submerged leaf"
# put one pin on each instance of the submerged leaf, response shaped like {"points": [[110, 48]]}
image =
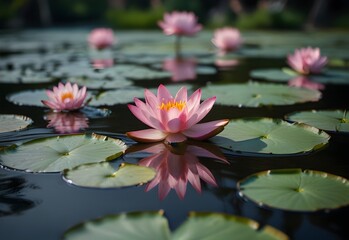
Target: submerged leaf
{"points": [[296, 190]]}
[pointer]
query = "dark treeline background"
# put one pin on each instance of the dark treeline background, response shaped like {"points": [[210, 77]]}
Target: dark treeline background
{"points": [[144, 14]]}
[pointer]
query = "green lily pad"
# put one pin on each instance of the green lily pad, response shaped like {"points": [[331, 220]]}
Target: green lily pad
{"points": [[104, 175], [330, 120], [142, 73], [296, 190], [270, 136], [259, 94], [153, 225], [11, 122], [329, 76], [28, 98], [117, 96], [91, 83], [54, 154]]}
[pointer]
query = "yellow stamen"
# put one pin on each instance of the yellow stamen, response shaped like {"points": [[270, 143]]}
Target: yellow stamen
{"points": [[66, 95], [172, 104]]}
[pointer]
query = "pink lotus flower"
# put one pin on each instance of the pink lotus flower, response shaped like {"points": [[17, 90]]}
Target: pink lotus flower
{"points": [[227, 39], [174, 119], [181, 68], [101, 38], [65, 97], [303, 82], [307, 60], [180, 24], [66, 122], [176, 167]]}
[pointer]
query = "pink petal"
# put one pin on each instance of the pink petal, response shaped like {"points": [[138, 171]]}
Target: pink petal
{"points": [[206, 175], [204, 108], [175, 138], [163, 94], [147, 135], [206, 130], [181, 95], [139, 114]]}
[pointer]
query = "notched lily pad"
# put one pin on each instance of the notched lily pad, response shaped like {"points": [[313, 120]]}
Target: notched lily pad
{"points": [[104, 175], [296, 190], [269, 136], [11, 122], [329, 120], [153, 225], [258, 94], [54, 154]]}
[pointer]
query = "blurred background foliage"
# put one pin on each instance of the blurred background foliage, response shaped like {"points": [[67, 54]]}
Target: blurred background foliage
{"points": [[144, 14]]}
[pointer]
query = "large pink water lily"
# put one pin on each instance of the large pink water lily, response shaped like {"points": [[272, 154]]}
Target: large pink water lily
{"points": [[174, 119], [180, 24], [307, 60], [227, 39], [65, 97], [101, 38], [176, 168]]}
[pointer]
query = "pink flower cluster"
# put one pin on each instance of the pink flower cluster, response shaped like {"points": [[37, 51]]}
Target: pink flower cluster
{"points": [[307, 60]]}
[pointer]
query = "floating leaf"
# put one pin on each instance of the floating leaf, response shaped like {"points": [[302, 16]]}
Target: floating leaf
{"points": [[28, 98], [11, 122], [153, 225], [104, 175], [296, 190], [91, 83], [257, 94], [330, 76], [117, 96], [270, 136], [54, 154], [331, 120]]}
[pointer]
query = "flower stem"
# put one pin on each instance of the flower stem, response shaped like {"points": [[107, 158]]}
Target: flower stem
{"points": [[178, 47]]}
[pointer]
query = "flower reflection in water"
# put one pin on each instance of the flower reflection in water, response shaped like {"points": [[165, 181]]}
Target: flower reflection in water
{"points": [[304, 82], [176, 165], [226, 63], [102, 63], [181, 68], [66, 122]]}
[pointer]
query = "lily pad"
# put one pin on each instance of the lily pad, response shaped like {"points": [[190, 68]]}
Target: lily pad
{"points": [[117, 96], [11, 122], [296, 190], [259, 94], [28, 98], [270, 136], [330, 120], [153, 225], [91, 83], [54, 154], [26, 77], [104, 175], [330, 76]]}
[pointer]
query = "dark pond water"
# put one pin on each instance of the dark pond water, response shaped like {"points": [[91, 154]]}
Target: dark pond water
{"points": [[43, 206]]}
